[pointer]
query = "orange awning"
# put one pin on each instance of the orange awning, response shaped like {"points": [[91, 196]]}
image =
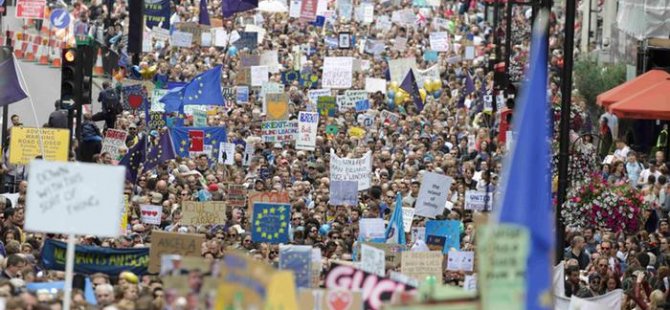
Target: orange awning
{"points": [[650, 103], [633, 86]]}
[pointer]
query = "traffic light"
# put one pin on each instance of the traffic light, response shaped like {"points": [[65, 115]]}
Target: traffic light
{"points": [[69, 77]]}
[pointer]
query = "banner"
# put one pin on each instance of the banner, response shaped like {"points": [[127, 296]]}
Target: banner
{"points": [[114, 139], [24, 144], [375, 291], [172, 243], [157, 13], [337, 72], [308, 125], [203, 213], [478, 201], [279, 131], [270, 222], [92, 259], [420, 265], [351, 169], [433, 194]]}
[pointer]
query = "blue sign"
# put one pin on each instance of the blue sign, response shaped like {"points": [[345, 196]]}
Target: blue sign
{"points": [[157, 12], [92, 259], [60, 18]]}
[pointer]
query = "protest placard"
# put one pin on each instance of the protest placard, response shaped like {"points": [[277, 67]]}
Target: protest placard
{"points": [[327, 106], [308, 124], [160, 34], [375, 291], [371, 228], [156, 105], [373, 85], [277, 106], [220, 37], [294, 8], [433, 194], [351, 99], [269, 197], [351, 169], [407, 218], [74, 198], [242, 94], [366, 120], [260, 32], [247, 40], [172, 243], [181, 39], [250, 60], [203, 213], [269, 222], [368, 11], [26, 143], [448, 232], [439, 41], [400, 67], [337, 72], [478, 201], [157, 120], [270, 59], [400, 44], [356, 132], [236, 194], [502, 255], [259, 75], [470, 283], [114, 139], [343, 193], [124, 216], [298, 259], [420, 265], [469, 52], [226, 154], [372, 260], [336, 299], [314, 94], [279, 131], [430, 74], [418, 233], [460, 261], [308, 10], [389, 117], [196, 30], [316, 267], [199, 118], [151, 214]]}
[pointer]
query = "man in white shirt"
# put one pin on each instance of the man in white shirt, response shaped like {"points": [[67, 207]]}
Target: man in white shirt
{"points": [[622, 150], [644, 175]]}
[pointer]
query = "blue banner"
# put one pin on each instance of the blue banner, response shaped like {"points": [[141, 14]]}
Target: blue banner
{"points": [[157, 11], [90, 259]]}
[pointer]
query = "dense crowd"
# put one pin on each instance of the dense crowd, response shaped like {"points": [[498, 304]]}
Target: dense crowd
{"points": [[456, 134]]}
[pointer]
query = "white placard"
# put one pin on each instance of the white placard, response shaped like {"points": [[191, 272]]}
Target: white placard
{"points": [[249, 151], [228, 149], [418, 233], [151, 214], [373, 85], [433, 194], [314, 94], [407, 218], [206, 39], [432, 73], [348, 100], [460, 261], [337, 72], [181, 39], [351, 169], [146, 42], [308, 124], [469, 52], [368, 12], [478, 201], [372, 260], [259, 75], [470, 283], [371, 228], [260, 30], [270, 59], [234, 36], [160, 34], [294, 8], [74, 198], [439, 41], [400, 67], [220, 37]]}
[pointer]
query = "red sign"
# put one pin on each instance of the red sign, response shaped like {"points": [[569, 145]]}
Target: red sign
{"points": [[197, 139], [308, 10], [33, 9]]}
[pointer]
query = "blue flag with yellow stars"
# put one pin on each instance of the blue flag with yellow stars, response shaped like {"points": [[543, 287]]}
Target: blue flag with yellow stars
{"points": [[162, 152], [409, 85], [192, 141], [204, 89], [297, 258], [134, 158], [269, 222]]}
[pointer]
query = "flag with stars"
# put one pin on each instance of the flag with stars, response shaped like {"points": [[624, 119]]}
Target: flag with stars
{"points": [[162, 152], [208, 140], [269, 222], [297, 258], [409, 85], [204, 89], [134, 158], [10, 87]]}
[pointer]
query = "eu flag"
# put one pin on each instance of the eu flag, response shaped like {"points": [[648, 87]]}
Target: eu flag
{"points": [[269, 222], [203, 15], [527, 186], [192, 140], [160, 153], [204, 89], [10, 88], [409, 85], [395, 232], [230, 7], [469, 84], [134, 158]]}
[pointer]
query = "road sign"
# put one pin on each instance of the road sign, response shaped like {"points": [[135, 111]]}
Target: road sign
{"points": [[60, 18], [33, 9]]}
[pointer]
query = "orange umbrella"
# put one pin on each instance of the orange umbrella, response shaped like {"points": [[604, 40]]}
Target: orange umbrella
{"points": [[650, 103], [633, 86]]}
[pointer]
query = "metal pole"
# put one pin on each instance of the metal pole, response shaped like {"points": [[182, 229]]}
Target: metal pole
{"points": [[508, 43], [564, 141]]}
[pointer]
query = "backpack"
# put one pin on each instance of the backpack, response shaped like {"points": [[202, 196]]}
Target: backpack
{"points": [[110, 102]]}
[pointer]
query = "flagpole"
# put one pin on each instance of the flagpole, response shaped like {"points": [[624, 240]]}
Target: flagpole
{"points": [[564, 141]]}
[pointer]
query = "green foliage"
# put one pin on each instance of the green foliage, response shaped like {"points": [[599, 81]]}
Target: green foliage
{"points": [[592, 79]]}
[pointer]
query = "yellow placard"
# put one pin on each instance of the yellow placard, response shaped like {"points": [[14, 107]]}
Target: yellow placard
{"points": [[124, 215], [356, 132], [25, 144]]}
